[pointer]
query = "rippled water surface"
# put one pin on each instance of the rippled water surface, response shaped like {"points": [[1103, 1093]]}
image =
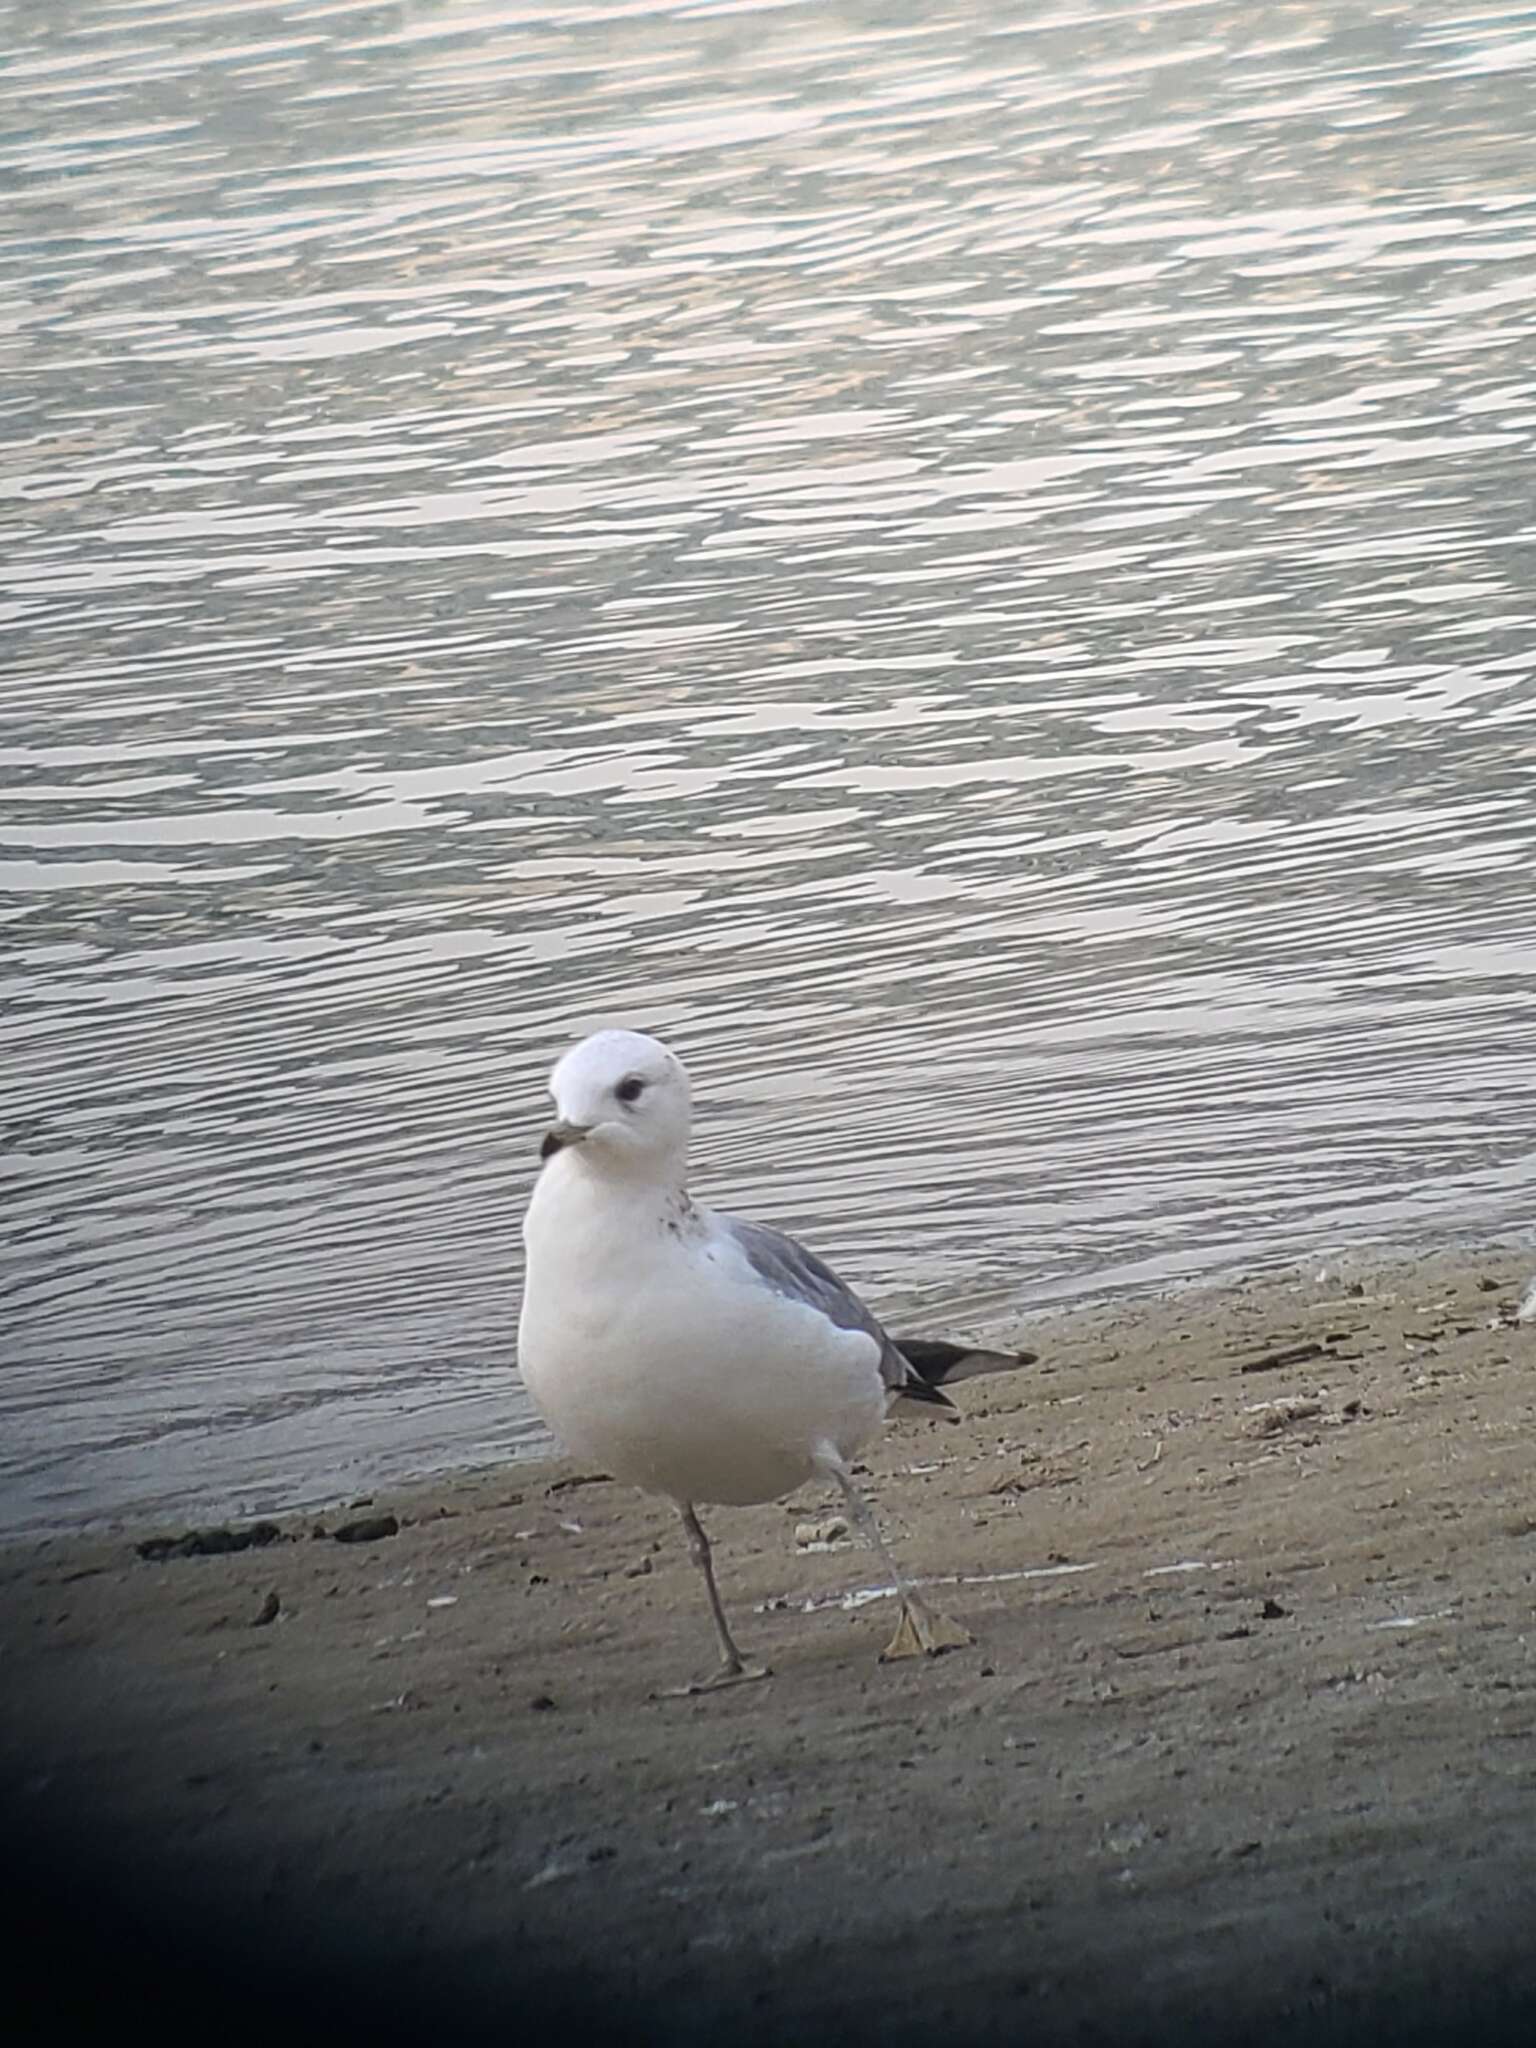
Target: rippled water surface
{"points": [[973, 565]]}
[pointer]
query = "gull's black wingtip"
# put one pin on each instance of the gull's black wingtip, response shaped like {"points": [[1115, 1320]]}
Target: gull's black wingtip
{"points": [[934, 1358]]}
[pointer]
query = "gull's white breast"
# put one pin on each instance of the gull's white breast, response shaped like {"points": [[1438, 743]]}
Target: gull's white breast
{"points": [[651, 1348]]}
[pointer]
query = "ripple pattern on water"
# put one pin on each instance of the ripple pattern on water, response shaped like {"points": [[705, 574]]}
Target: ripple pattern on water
{"points": [[976, 573]]}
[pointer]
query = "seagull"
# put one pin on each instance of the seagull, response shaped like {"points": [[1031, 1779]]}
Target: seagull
{"points": [[690, 1353]]}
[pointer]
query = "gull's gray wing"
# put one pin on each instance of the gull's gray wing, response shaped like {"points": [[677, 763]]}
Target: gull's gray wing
{"points": [[785, 1265]]}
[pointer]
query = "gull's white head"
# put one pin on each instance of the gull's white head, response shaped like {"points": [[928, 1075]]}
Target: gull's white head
{"points": [[624, 1100]]}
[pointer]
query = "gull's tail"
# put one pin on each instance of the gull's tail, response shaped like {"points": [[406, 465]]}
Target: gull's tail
{"points": [[915, 1388]]}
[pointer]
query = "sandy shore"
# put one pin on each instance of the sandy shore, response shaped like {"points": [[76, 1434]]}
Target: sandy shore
{"points": [[1246, 1746]]}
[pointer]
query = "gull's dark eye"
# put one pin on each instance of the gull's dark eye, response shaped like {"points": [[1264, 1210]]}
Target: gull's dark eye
{"points": [[630, 1090]]}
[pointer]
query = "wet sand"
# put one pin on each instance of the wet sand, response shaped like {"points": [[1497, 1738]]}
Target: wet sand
{"points": [[1246, 1746]]}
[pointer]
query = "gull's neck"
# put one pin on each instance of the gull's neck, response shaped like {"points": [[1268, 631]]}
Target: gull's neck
{"points": [[584, 1216], [653, 1180]]}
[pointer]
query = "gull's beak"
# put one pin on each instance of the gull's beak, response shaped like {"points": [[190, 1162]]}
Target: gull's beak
{"points": [[558, 1136]]}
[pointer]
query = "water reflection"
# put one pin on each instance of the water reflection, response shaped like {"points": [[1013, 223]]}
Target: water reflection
{"points": [[974, 573]]}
